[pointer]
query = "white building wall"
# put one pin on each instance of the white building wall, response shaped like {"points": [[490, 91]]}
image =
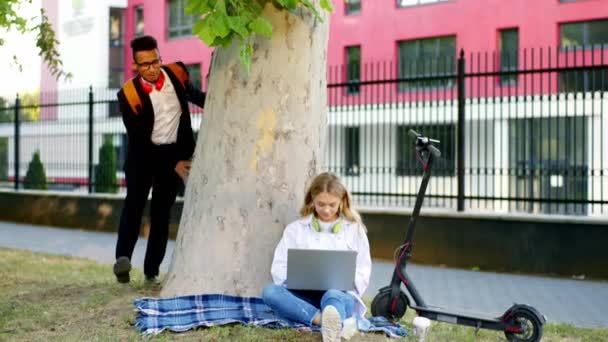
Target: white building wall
{"points": [[83, 30], [84, 36], [487, 144]]}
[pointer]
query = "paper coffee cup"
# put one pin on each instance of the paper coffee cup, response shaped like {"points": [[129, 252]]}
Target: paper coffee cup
{"points": [[421, 327]]}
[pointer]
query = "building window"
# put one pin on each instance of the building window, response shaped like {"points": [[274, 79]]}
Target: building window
{"points": [[180, 24], [114, 109], [352, 7], [116, 27], [408, 165], [116, 78], [558, 147], [138, 20], [407, 3], [583, 80], [194, 70], [586, 34], [583, 35], [116, 69], [432, 57], [351, 148], [353, 69], [509, 55]]}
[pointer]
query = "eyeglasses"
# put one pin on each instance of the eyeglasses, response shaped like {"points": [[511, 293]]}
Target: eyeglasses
{"points": [[147, 65]]}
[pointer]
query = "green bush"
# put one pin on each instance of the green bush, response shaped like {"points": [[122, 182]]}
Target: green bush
{"points": [[105, 171], [35, 178]]}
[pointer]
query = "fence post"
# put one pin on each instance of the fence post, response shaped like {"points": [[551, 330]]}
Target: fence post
{"points": [[90, 163], [17, 134], [461, 127]]}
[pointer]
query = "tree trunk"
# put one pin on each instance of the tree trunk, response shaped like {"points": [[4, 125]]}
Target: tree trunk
{"points": [[261, 140]]}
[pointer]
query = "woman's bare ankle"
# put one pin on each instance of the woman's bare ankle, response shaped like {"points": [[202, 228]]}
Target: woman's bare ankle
{"points": [[317, 319]]}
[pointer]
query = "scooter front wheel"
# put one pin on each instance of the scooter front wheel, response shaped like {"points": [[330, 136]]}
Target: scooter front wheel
{"points": [[526, 327], [382, 304]]}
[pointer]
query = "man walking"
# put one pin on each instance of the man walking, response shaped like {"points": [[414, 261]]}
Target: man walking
{"points": [[154, 107]]}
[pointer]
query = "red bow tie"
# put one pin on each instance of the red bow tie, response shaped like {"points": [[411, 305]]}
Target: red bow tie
{"points": [[158, 85]]}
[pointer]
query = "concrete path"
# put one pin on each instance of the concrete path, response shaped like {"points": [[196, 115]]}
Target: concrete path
{"points": [[578, 302]]}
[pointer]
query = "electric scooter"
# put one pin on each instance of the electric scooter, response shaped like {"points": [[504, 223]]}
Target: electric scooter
{"points": [[521, 323]]}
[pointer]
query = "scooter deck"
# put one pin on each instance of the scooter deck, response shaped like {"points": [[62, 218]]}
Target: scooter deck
{"points": [[455, 317]]}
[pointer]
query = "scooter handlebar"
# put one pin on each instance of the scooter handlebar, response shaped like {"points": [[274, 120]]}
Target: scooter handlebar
{"points": [[414, 134], [434, 150], [426, 142]]}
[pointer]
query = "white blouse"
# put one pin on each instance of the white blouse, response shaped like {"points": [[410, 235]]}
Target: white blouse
{"points": [[301, 234]]}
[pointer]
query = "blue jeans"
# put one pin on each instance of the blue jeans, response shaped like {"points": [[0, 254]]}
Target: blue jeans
{"points": [[302, 306]]}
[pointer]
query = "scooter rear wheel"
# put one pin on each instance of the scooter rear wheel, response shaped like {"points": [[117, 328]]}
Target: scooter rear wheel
{"points": [[531, 328], [381, 305]]}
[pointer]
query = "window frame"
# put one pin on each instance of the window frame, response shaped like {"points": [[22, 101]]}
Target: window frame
{"points": [[138, 13], [508, 80], [116, 48], [120, 42], [585, 35], [404, 71], [417, 4], [354, 89], [352, 150], [178, 32], [352, 12], [194, 70]]}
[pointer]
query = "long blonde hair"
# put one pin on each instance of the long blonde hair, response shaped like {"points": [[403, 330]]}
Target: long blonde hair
{"points": [[331, 184]]}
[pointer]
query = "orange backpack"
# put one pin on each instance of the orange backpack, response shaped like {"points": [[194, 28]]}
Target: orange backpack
{"points": [[131, 93]]}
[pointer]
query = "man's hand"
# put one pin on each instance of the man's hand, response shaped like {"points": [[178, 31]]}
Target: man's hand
{"points": [[183, 169]]}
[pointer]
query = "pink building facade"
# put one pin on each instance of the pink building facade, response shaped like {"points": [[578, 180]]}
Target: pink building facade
{"points": [[377, 27]]}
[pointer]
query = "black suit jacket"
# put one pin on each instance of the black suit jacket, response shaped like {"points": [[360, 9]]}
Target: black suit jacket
{"points": [[139, 125]]}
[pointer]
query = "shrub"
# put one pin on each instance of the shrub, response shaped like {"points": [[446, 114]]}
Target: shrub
{"points": [[35, 178], [105, 171]]}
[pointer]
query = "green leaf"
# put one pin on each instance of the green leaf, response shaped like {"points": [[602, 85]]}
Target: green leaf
{"points": [[219, 24], [289, 4], [238, 25], [224, 42], [204, 31], [194, 7], [220, 7], [261, 26], [326, 5], [221, 21]]}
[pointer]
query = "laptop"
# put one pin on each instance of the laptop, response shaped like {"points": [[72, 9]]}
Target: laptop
{"points": [[319, 269]]}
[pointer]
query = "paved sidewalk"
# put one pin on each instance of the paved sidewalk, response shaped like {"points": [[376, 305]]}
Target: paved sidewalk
{"points": [[578, 302]]}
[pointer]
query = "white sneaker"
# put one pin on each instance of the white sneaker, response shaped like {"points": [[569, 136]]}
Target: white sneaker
{"points": [[331, 324], [349, 328]]}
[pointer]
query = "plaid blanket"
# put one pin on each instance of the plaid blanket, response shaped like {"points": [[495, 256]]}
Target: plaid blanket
{"points": [[188, 312]]}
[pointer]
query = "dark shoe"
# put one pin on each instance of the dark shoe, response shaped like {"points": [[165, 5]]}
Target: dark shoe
{"points": [[122, 267], [152, 281]]}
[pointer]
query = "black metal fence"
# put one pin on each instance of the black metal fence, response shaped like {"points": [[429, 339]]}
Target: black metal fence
{"points": [[528, 139]]}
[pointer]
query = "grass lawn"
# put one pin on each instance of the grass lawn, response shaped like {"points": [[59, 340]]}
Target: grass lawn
{"points": [[54, 298]]}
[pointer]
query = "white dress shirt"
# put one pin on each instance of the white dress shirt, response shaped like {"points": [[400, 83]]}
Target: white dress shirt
{"points": [[301, 234], [167, 111]]}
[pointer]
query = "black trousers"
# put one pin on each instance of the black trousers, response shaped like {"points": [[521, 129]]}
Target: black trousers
{"points": [[159, 174]]}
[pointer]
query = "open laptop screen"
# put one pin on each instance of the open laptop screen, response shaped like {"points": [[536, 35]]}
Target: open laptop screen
{"points": [[319, 269]]}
